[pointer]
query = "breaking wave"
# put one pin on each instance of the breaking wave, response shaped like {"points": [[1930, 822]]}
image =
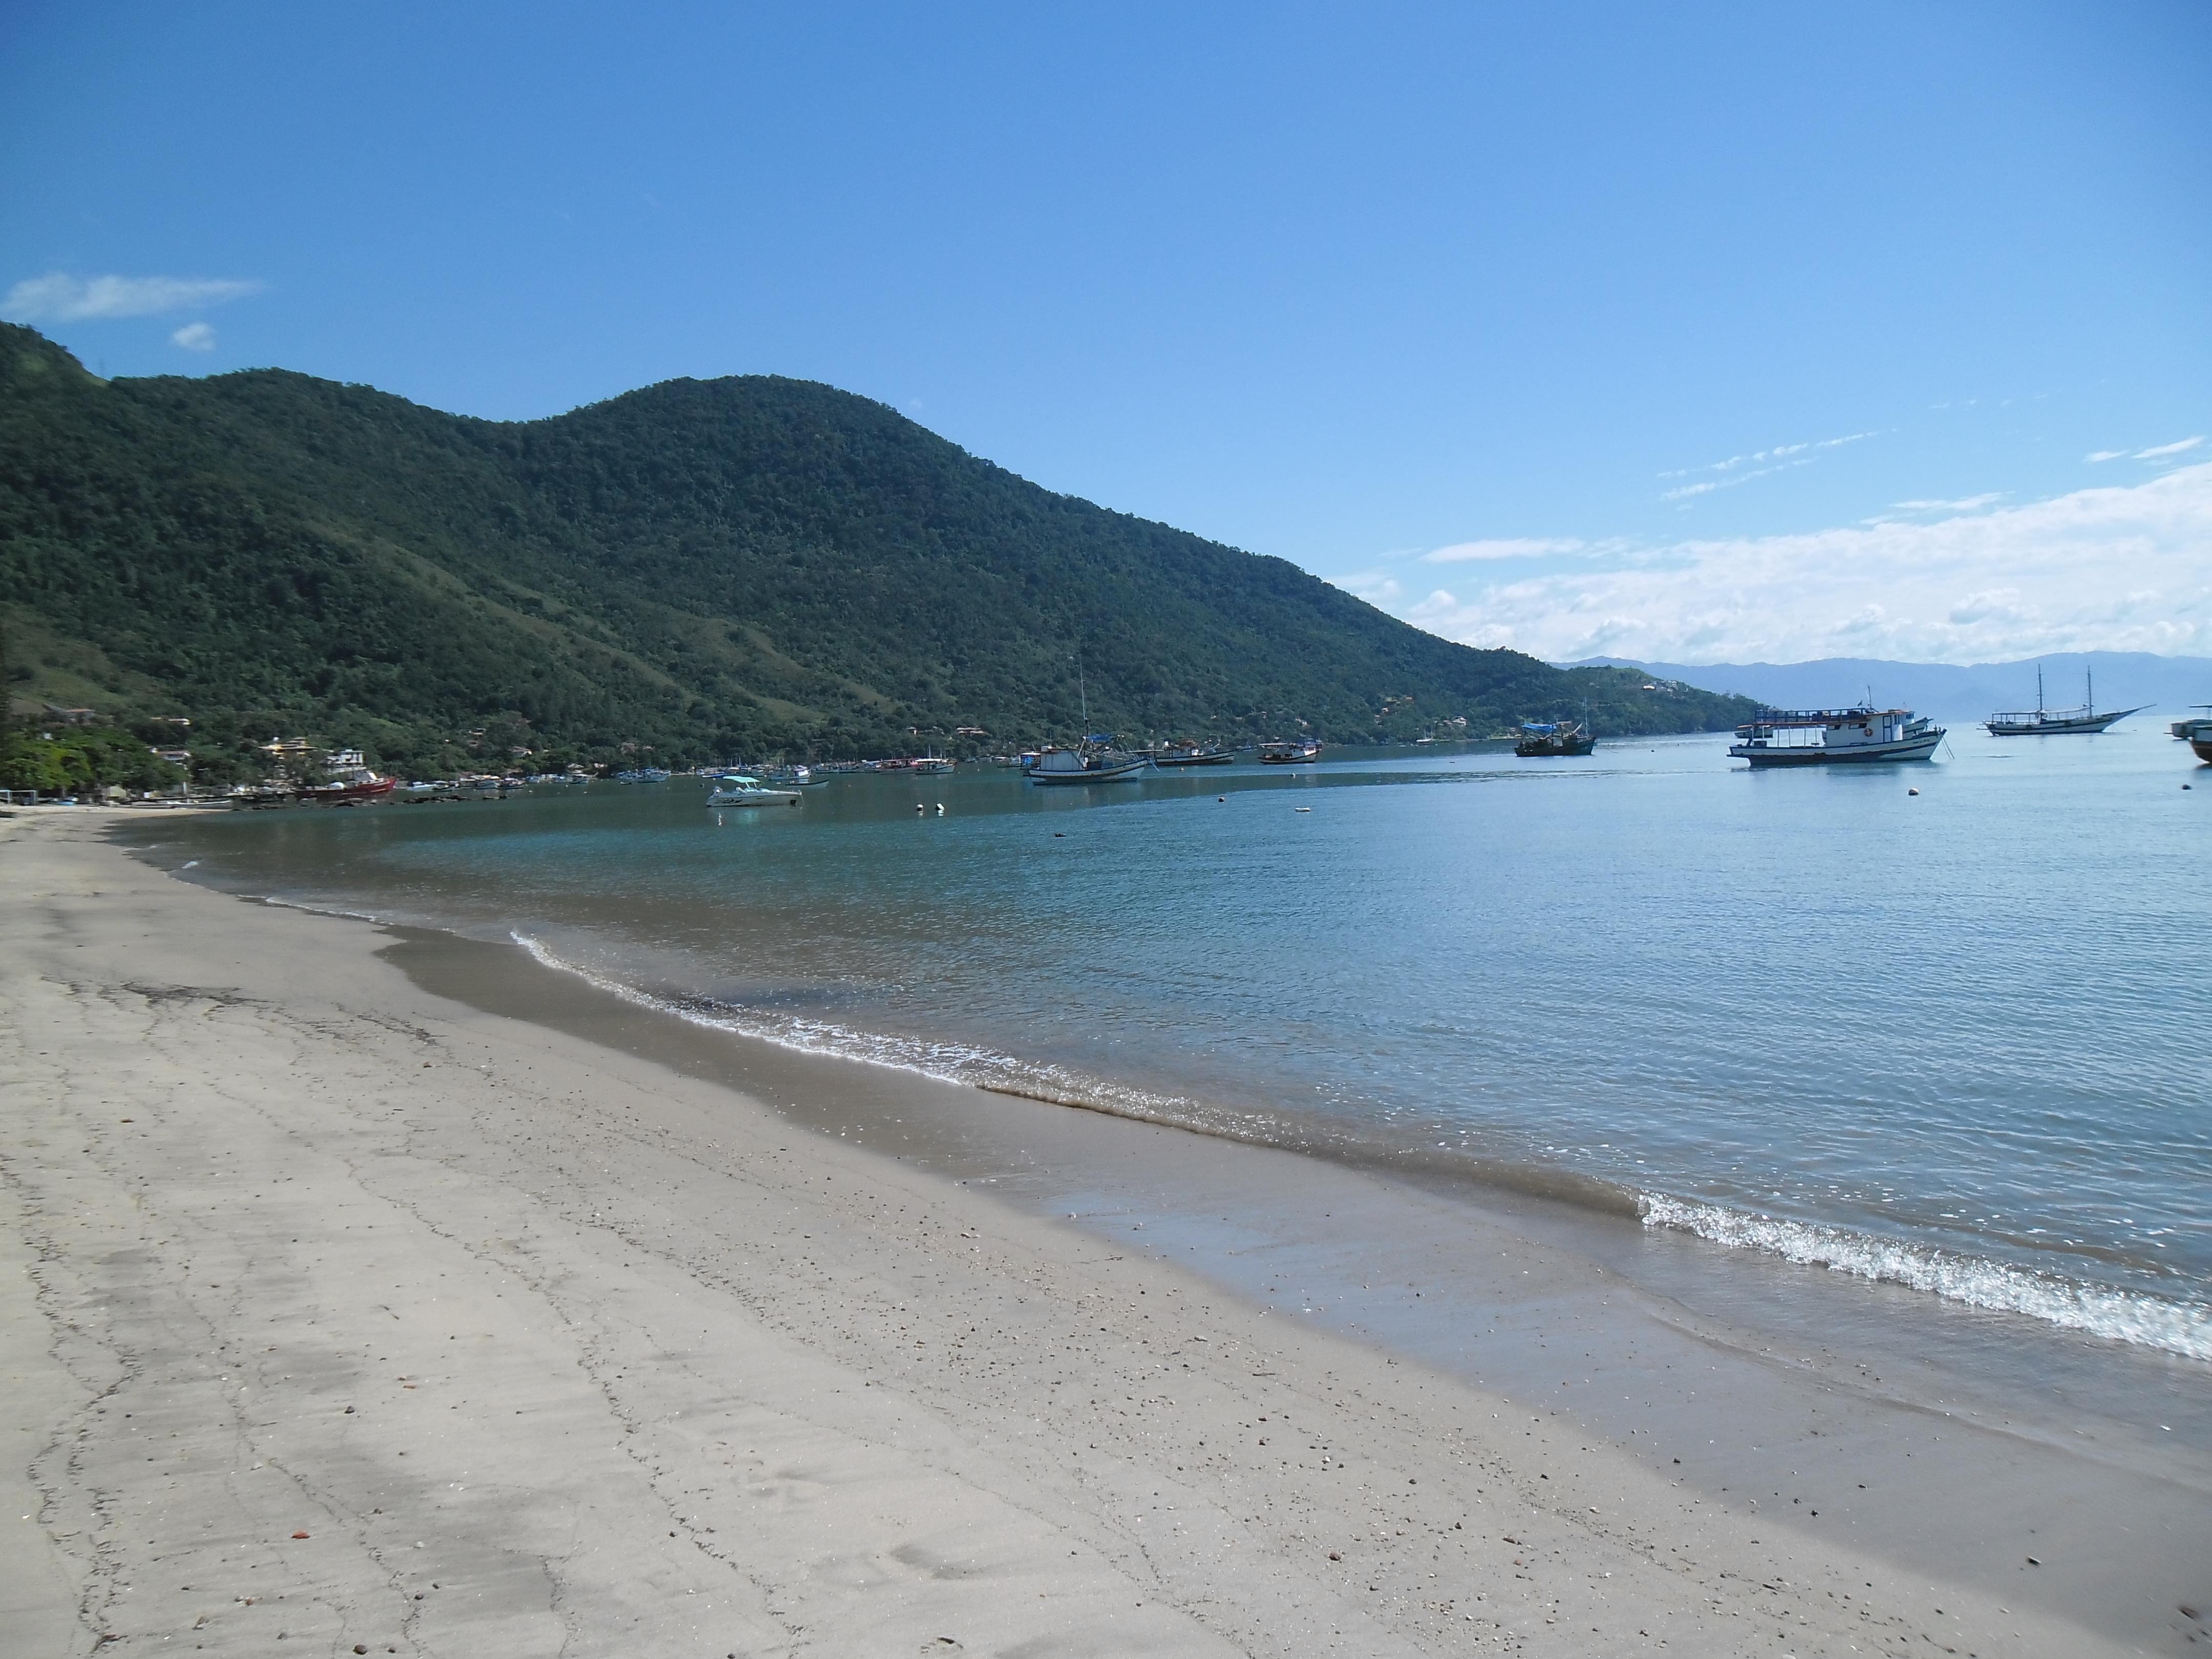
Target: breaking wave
{"points": [[2151, 1321]]}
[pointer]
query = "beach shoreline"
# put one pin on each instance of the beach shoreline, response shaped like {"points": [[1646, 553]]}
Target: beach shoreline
{"points": [[542, 1343]]}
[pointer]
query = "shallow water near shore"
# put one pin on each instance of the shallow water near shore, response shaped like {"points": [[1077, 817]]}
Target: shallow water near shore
{"points": [[1953, 1041]]}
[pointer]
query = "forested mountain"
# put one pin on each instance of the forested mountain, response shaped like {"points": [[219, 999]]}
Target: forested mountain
{"points": [[698, 569]]}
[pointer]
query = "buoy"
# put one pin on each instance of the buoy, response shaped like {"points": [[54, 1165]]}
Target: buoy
{"points": [[919, 807], [1302, 809], [1912, 792], [1225, 798], [940, 809], [1059, 835]]}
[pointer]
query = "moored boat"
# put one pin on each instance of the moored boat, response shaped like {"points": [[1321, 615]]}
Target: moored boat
{"points": [[1298, 752], [1192, 754], [2041, 722], [1830, 736], [351, 787], [1070, 766], [1545, 739], [2196, 733], [738, 789]]}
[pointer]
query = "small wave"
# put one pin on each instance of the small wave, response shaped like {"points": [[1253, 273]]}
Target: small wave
{"points": [[320, 909], [942, 1060], [2150, 1322]]}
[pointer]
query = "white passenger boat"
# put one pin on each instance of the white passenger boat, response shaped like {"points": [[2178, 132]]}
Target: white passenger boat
{"points": [[736, 789], [1831, 736]]}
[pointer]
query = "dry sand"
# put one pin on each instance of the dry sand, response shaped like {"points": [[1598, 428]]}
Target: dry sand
{"points": [[338, 1313]]}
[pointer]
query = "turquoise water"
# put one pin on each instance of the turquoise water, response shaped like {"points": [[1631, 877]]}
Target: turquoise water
{"points": [[1957, 1040]]}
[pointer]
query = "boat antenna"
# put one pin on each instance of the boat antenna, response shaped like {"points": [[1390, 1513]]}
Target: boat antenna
{"points": [[1083, 695]]}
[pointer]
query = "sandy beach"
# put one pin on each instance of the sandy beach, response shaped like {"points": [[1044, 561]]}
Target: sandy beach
{"points": [[345, 1318]]}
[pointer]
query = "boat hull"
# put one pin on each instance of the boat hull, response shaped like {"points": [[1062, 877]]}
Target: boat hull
{"points": [[2087, 724], [1222, 759], [1545, 749], [1918, 748], [2202, 748], [753, 797], [1101, 775], [347, 794]]}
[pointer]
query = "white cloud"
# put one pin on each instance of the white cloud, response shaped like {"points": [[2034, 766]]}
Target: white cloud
{"points": [[1763, 462], [1964, 504], [58, 297], [2126, 569], [2164, 450], [1506, 547], [2096, 455], [195, 336]]}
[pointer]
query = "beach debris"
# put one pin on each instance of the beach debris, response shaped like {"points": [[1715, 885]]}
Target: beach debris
{"points": [[299, 1534], [1336, 1555]]}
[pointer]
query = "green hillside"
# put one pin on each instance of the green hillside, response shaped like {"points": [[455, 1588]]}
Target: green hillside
{"points": [[698, 569]]}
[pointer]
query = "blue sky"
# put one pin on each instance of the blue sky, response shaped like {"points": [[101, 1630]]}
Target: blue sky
{"points": [[1573, 328]]}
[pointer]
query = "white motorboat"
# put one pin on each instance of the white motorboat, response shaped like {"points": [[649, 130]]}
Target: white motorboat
{"points": [[1831, 736], [736, 789]]}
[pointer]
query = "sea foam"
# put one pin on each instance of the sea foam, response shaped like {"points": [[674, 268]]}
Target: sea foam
{"points": [[2151, 1321]]}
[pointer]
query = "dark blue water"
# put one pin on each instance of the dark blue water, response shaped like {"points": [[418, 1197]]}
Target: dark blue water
{"points": [[1958, 1040]]}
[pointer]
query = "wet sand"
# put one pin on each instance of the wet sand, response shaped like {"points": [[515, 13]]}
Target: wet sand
{"points": [[347, 1312]]}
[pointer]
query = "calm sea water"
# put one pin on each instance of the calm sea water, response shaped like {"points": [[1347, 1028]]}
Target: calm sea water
{"points": [[1958, 1040]]}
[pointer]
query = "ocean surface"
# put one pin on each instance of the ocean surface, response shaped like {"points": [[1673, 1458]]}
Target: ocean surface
{"points": [[1957, 1041]]}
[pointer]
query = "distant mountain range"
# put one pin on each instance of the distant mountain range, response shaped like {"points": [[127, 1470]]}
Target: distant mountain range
{"points": [[699, 569], [2123, 679]]}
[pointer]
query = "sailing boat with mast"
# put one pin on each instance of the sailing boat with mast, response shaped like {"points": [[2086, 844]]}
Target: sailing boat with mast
{"points": [[2040, 722], [1095, 760]]}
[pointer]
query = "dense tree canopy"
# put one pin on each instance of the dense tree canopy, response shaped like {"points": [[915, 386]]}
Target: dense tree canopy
{"points": [[699, 568]]}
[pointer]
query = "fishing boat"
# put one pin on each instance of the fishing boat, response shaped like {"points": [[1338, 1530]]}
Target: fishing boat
{"points": [[1831, 736], [1545, 739], [350, 787], [1095, 760], [1085, 765], [2041, 722], [737, 789], [1295, 753], [1192, 754], [797, 777], [2196, 733]]}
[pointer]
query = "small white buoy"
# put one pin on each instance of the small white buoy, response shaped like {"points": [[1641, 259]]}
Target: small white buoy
{"points": [[1302, 809], [940, 809], [1225, 798], [919, 807], [1912, 792]]}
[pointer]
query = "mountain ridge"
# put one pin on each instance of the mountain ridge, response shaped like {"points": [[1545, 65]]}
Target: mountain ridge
{"points": [[2123, 679], [692, 569]]}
